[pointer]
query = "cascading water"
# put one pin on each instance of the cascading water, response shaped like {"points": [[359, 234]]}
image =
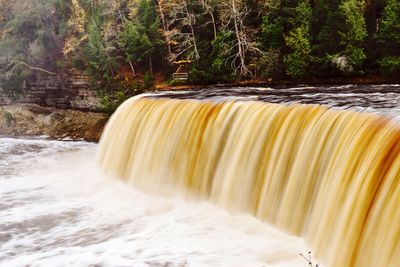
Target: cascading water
{"points": [[332, 177], [57, 209]]}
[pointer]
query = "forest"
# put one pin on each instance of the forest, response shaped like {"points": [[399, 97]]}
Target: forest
{"points": [[124, 46]]}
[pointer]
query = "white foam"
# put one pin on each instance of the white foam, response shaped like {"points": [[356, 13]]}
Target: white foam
{"points": [[64, 212]]}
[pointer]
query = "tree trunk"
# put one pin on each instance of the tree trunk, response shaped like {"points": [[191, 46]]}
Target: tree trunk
{"points": [[164, 23], [214, 25], [243, 68], [151, 65], [210, 10], [190, 15], [196, 51], [132, 68], [112, 71]]}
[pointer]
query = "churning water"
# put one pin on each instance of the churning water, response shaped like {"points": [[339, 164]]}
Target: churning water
{"points": [[58, 209]]}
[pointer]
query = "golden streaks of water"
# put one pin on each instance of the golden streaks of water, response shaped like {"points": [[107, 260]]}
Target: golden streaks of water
{"points": [[330, 176]]}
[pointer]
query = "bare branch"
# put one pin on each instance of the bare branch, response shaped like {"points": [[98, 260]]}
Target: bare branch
{"points": [[19, 63]]}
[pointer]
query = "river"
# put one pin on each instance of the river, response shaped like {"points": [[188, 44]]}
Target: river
{"points": [[58, 209]]}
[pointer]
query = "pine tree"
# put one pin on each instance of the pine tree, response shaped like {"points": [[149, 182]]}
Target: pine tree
{"points": [[100, 61], [339, 29], [139, 38], [325, 27], [298, 41], [30, 39], [389, 38], [352, 34]]}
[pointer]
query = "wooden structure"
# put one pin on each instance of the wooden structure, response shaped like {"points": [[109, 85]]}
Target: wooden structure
{"points": [[181, 74]]}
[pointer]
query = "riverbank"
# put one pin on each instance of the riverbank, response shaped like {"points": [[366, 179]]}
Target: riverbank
{"points": [[34, 120], [287, 83]]}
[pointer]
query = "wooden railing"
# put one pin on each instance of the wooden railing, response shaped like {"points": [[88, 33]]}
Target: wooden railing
{"points": [[181, 76]]}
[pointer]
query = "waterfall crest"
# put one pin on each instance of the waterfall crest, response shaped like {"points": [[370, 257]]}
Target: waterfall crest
{"points": [[332, 177]]}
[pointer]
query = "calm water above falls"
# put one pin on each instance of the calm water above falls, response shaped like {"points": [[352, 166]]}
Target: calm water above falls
{"points": [[57, 209], [383, 99]]}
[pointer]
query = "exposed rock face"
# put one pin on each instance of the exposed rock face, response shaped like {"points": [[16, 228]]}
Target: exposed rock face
{"points": [[68, 90], [30, 120]]}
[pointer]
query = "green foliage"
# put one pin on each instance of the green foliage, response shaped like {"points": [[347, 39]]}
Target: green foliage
{"points": [[130, 41], [134, 42], [148, 81], [390, 65], [215, 66], [389, 38], [112, 100], [271, 64], [355, 56], [199, 74], [100, 62], [389, 30], [326, 22], [221, 52], [8, 117], [340, 30], [354, 29], [272, 31], [30, 38], [106, 39], [297, 61], [139, 38], [353, 33], [298, 41]]}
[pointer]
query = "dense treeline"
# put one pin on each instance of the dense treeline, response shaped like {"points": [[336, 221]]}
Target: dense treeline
{"points": [[116, 42]]}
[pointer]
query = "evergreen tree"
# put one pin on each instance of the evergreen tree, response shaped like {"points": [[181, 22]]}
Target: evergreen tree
{"points": [[272, 40], [353, 33], [298, 40], [221, 52], [272, 31], [389, 38], [139, 38], [339, 29], [100, 61], [226, 40], [325, 27], [31, 36]]}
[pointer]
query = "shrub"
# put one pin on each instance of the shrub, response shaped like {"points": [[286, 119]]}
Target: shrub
{"points": [[297, 62], [270, 64], [390, 65], [298, 41], [148, 81], [8, 117]]}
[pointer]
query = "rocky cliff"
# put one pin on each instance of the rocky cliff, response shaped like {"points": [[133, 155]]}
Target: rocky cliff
{"points": [[33, 120], [63, 105], [69, 89]]}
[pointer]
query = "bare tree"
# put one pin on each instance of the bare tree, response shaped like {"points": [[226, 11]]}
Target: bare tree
{"points": [[233, 15], [209, 6], [161, 10], [181, 29]]}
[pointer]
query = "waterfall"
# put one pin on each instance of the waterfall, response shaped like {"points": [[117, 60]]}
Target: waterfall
{"points": [[329, 176]]}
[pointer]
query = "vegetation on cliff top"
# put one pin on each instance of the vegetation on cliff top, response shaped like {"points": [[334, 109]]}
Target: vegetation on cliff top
{"points": [[118, 42]]}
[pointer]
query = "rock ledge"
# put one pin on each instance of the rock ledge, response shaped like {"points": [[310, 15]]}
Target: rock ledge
{"points": [[33, 120]]}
